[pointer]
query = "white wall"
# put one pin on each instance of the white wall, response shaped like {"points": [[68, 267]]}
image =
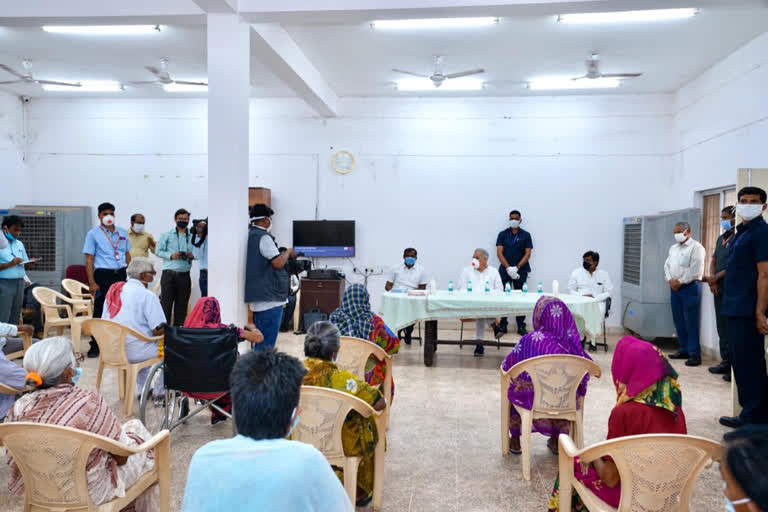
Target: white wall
{"points": [[721, 125], [440, 175], [14, 182]]}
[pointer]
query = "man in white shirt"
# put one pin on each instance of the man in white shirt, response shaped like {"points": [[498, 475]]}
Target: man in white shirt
{"points": [[478, 275], [587, 281], [408, 276], [683, 270]]}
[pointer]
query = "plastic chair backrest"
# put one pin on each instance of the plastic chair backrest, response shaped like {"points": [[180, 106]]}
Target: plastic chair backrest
{"points": [[8, 390], [74, 288], [556, 380], [47, 299], [354, 354], [323, 412], [658, 471], [111, 339]]}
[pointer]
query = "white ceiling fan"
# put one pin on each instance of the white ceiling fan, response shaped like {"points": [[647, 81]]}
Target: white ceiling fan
{"points": [[593, 70], [438, 77], [27, 77], [163, 78]]}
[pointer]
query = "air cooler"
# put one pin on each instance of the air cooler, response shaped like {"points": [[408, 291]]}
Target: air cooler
{"points": [[644, 291]]}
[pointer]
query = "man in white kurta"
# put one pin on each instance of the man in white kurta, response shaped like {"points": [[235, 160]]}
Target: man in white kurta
{"points": [[140, 310], [588, 281], [478, 275]]}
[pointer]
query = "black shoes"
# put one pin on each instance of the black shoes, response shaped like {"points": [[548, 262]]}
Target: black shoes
{"points": [[94, 350], [727, 377], [522, 331], [721, 369], [499, 331], [679, 355], [592, 347], [407, 340], [693, 361], [479, 350], [731, 421]]}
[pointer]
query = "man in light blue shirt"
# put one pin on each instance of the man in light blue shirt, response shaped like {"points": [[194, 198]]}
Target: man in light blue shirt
{"points": [[259, 469], [12, 259], [175, 247], [200, 243]]}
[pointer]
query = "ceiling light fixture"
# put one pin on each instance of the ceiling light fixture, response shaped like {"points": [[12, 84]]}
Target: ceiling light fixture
{"points": [[103, 30], [174, 87], [430, 23], [86, 86], [454, 84], [628, 16], [545, 83]]}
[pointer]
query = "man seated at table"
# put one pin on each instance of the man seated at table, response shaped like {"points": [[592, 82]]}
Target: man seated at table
{"points": [[478, 276], [407, 276], [587, 281]]}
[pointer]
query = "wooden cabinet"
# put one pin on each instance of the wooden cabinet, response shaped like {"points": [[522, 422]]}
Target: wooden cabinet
{"points": [[321, 294]]}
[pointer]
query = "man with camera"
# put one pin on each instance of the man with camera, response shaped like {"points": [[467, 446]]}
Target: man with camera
{"points": [[175, 247], [200, 243], [267, 281]]}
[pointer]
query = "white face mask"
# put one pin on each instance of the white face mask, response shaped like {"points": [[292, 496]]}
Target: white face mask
{"points": [[108, 220], [475, 263], [269, 228], [680, 237], [514, 223], [138, 228], [294, 422], [749, 211]]}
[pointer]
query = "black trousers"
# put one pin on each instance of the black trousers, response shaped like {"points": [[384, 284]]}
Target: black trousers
{"points": [[105, 278], [722, 329], [517, 284], [747, 351], [175, 288]]}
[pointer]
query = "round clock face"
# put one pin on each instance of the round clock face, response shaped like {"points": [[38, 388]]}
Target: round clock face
{"points": [[343, 162]]}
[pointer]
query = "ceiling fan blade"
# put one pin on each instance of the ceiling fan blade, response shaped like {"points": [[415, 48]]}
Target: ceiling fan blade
{"points": [[144, 82], [13, 82], [583, 77], [184, 82], [11, 71], [162, 75], [465, 73], [51, 82], [409, 73], [620, 75]]}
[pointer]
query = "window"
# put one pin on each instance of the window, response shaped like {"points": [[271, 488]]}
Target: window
{"points": [[712, 203]]}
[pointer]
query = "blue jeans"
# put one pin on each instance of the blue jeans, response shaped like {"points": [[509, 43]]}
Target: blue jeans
{"points": [[268, 322], [685, 313]]}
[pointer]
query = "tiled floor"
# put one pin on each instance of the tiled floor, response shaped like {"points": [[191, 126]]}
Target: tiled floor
{"points": [[444, 449]]}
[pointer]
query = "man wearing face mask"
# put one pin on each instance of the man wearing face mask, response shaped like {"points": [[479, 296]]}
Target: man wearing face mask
{"points": [[407, 276], [513, 248], [745, 302], [683, 270], [141, 241], [175, 247], [107, 253], [477, 275], [267, 282], [12, 273], [588, 281]]}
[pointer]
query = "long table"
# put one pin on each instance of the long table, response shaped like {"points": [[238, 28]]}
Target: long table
{"points": [[400, 310]]}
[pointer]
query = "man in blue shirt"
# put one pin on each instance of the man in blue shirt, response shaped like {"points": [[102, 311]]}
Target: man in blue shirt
{"points": [[513, 248], [745, 303], [259, 469], [175, 247], [107, 255], [200, 243], [12, 258]]}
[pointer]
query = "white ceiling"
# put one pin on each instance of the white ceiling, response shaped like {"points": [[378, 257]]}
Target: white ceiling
{"points": [[357, 61]]}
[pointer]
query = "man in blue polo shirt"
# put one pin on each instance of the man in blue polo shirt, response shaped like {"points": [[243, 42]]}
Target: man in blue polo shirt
{"points": [[513, 248], [744, 304], [106, 257]]}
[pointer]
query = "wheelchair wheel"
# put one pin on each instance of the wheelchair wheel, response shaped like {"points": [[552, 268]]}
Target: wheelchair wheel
{"points": [[156, 413]]}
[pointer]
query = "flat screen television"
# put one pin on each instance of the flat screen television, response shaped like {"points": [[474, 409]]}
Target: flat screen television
{"points": [[324, 238]]}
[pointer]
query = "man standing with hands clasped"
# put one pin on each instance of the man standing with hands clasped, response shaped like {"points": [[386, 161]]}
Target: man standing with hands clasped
{"points": [[513, 248], [745, 302], [175, 247]]}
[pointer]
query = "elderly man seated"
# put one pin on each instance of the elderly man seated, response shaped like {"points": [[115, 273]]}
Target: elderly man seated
{"points": [[588, 281], [478, 276], [11, 374], [130, 303]]}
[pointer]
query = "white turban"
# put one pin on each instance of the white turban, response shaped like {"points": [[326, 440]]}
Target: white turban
{"points": [[49, 358]]}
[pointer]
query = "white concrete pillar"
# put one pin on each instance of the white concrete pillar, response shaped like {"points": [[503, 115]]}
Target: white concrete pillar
{"points": [[228, 92]]}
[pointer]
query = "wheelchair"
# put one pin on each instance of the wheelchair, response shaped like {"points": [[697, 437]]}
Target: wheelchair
{"points": [[195, 368]]}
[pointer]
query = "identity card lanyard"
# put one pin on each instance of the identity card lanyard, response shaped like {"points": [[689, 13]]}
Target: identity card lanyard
{"points": [[114, 245]]}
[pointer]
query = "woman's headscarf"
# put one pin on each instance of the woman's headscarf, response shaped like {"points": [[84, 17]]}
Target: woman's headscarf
{"points": [[205, 314], [49, 358], [642, 374], [553, 318], [354, 316]]}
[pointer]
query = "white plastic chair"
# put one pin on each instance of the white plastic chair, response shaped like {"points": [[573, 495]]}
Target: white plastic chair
{"points": [[50, 307], [556, 380], [26, 340], [353, 356], [79, 291], [657, 471]]}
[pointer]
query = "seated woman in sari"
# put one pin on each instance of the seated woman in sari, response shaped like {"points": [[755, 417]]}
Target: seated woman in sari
{"points": [[358, 435], [11, 374], [207, 315], [57, 401], [355, 318], [554, 332], [648, 401]]}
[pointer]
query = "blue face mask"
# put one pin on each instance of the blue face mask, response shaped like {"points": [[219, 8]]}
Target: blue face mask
{"points": [[410, 261], [10, 237], [77, 375], [293, 423], [726, 225]]}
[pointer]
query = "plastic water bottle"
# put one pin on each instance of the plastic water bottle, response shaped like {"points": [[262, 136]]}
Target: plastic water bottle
{"points": [[450, 286], [525, 287], [487, 287], [540, 288], [508, 289], [469, 286]]}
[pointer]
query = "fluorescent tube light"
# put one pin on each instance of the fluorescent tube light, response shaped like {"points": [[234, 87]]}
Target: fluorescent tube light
{"points": [[565, 83], [86, 86], [628, 16], [103, 30], [431, 23], [425, 84], [174, 87]]}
